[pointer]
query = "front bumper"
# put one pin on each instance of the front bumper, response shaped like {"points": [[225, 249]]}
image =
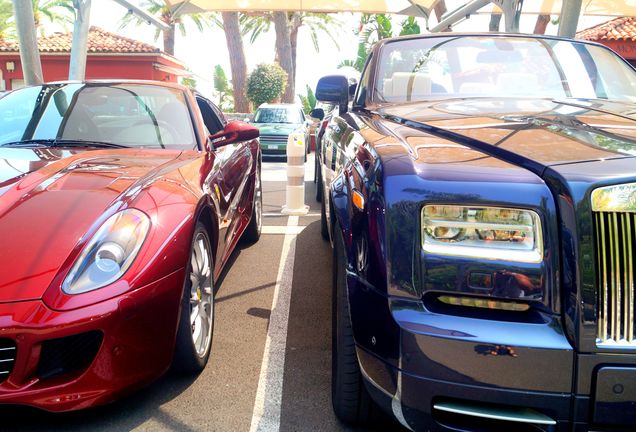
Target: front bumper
{"points": [[138, 335], [414, 359]]}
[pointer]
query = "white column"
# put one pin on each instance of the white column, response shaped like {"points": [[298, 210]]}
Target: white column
{"points": [[28, 40], [77, 68], [569, 20]]}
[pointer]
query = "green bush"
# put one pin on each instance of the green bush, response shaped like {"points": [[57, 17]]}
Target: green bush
{"points": [[266, 83]]}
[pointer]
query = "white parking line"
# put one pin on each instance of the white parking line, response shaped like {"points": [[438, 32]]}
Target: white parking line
{"points": [[267, 405], [268, 215], [284, 229]]}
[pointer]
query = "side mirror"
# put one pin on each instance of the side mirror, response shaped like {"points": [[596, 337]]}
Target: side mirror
{"points": [[234, 131], [247, 120], [317, 113], [333, 89]]}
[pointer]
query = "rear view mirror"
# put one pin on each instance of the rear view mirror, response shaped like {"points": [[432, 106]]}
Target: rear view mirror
{"points": [[334, 89], [234, 131], [317, 113]]}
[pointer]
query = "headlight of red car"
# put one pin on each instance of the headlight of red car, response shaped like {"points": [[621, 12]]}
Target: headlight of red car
{"points": [[109, 253]]}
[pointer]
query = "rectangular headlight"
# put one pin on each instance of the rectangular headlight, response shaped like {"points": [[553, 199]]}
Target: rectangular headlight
{"points": [[482, 232]]}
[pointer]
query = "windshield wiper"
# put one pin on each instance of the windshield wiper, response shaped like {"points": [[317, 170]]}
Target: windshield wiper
{"points": [[62, 143], [27, 143], [85, 143]]}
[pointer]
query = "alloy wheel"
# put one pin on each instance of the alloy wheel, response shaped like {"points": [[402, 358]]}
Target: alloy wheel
{"points": [[201, 296]]}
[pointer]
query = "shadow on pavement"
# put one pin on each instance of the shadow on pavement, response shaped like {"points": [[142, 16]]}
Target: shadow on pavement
{"points": [[306, 403]]}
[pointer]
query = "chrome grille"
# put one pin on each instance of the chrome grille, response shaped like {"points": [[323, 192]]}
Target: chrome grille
{"points": [[274, 139], [7, 358], [615, 278]]}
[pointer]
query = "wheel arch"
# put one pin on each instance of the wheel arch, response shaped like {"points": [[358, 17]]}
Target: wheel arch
{"points": [[208, 216]]}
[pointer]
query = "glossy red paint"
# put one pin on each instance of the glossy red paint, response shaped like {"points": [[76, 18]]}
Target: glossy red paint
{"points": [[234, 132], [136, 349], [48, 213]]}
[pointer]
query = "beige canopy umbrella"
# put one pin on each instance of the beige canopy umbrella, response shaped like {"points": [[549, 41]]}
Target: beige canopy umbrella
{"points": [[405, 7], [547, 7], [607, 8]]}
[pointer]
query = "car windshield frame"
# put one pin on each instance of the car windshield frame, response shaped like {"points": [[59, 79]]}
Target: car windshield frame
{"points": [[376, 96], [115, 114]]}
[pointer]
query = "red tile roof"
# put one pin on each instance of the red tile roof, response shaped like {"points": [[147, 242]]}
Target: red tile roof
{"points": [[99, 41], [623, 29]]}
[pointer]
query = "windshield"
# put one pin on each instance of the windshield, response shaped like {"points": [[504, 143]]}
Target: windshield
{"points": [[132, 115], [278, 115], [486, 66]]}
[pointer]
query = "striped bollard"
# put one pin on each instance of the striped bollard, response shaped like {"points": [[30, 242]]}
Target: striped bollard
{"points": [[295, 194]]}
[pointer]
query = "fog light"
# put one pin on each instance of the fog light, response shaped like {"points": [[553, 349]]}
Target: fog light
{"points": [[483, 303]]}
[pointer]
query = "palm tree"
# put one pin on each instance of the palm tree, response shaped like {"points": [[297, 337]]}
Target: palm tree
{"points": [[6, 13], [162, 9], [373, 28], [55, 11], [284, 54], [542, 24], [256, 24], [316, 23], [238, 64]]}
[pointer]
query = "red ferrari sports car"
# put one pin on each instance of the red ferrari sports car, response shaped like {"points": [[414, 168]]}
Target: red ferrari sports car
{"points": [[120, 202]]}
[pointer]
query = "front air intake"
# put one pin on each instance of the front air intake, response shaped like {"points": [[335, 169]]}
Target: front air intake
{"points": [[7, 358], [68, 354], [615, 278]]}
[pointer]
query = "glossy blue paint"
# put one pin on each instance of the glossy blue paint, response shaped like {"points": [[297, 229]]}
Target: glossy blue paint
{"points": [[414, 350]]}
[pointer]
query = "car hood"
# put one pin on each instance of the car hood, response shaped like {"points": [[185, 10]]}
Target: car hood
{"points": [[534, 133], [277, 128], [49, 198]]}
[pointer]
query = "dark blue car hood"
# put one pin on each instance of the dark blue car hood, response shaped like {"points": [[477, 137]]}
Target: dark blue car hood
{"points": [[533, 133]]}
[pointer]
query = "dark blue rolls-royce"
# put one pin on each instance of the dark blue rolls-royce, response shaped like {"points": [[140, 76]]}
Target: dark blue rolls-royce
{"points": [[480, 194]]}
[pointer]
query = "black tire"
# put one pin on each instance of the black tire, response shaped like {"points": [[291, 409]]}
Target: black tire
{"points": [[349, 396], [187, 358], [253, 231], [324, 227], [318, 178]]}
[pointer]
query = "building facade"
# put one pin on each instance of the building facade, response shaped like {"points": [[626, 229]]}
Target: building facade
{"points": [[110, 56]]}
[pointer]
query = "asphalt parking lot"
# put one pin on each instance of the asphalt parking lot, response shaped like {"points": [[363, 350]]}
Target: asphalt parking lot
{"points": [[270, 367]]}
